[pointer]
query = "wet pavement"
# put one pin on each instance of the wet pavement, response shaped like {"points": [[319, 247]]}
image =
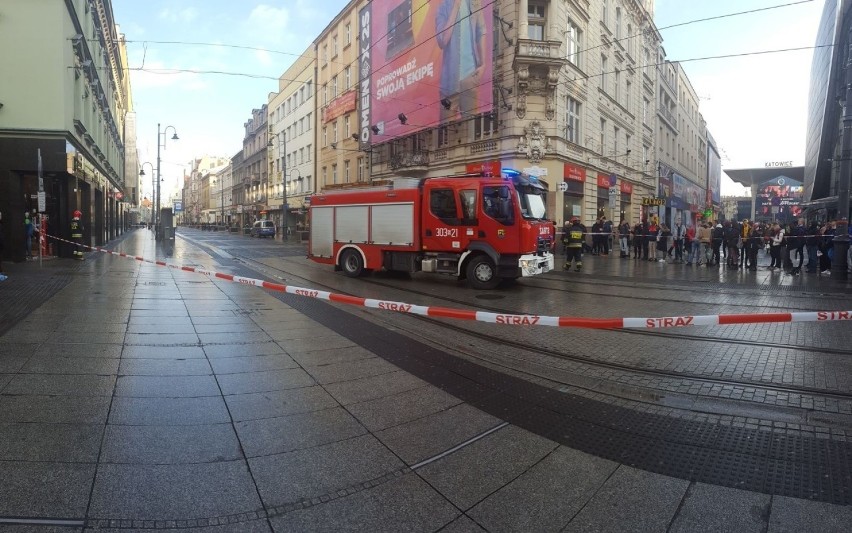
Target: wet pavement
{"points": [[138, 397]]}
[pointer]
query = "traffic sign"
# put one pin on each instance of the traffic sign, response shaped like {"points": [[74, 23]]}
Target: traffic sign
{"points": [[563, 186], [178, 207]]}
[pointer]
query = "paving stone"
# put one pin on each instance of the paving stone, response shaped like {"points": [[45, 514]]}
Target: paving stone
{"points": [[173, 492], [545, 497], [168, 411], [270, 380], [164, 339], [227, 327], [289, 477], [304, 330], [714, 509], [252, 363], [403, 504], [147, 321], [294, 432], [166, 386], [273, 404], [55, 409], [462, 524], [70, 443], [479, 469], [623, 503], [794, 515], [60, 385], [71, 365], [388, 411], [431, 435], [333, 356], [10, 365], [170, 444], [57, 490], [88, 337], [165, 367], [232, 338], [241, 350], [351, 370], [294, 346], [147, 328], [163, 352], [250, 526], [79, 350], [369, 388]]}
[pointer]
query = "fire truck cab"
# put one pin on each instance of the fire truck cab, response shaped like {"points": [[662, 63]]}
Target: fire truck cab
{"points": [[477, 227]]}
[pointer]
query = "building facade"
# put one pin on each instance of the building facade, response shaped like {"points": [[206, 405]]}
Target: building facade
{"points": [[338, 161], [254, 168], [570, 100], [292, 125], [66, 98], [823, 150]]}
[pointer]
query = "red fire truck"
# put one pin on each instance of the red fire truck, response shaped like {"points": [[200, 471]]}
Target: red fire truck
{"points": [[474, 226]]}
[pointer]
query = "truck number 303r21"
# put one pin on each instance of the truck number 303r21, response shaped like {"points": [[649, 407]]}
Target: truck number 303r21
{"points": [[447, 232]]}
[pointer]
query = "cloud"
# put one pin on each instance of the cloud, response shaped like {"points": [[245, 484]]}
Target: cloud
{"points": [[268, 23], [179, 15]]}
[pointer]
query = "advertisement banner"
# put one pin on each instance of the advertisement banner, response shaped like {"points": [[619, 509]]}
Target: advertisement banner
{"points": [[423, 63], [626, 187], [603, 181], [340, 106], [494, 168]]}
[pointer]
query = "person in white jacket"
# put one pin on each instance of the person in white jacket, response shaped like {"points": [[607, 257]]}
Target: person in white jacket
{"points": [[777, 234]]}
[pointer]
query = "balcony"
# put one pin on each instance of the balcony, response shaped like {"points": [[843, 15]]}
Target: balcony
{"points": [[668, 116], [533, 52], [411, 161]]}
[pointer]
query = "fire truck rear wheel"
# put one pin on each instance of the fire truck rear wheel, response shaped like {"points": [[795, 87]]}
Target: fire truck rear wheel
{"points": [[352, 264], [481, 273]]}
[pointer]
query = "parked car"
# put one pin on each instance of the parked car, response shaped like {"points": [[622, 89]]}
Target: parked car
{"points": [[263, 228]]}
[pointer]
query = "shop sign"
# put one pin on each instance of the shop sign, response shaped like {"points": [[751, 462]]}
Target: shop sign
{"points": [[626, 187], [493, 168], [603, 181], [341, 105], [653, 201], [573, 172]]}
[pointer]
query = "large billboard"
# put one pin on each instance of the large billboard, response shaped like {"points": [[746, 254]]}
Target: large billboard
{"points": [[428, 60]]}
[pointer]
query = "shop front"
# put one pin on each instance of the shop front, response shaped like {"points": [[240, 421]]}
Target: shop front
{"points": [[626, 190], [574, 178]]}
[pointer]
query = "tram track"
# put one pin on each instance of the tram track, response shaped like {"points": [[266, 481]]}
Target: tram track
{"points": [[574, 357]]}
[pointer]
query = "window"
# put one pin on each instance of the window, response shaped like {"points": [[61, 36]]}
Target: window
{"points": [[334, 87], [442, 203], [535, 15], [325, 135], [627, 89], [301, 155], [630, 39], [360, 169], [497, 204], [324, 94], [605, 12], [308, 122], [309, 88], [346, 171], [603, 136], [334, 46], [618, 23], [603, 72], [346, 131], [626, 143], [334, 131], [573, 121], [468, 205], [443, 136], [615, 133], [484, 125], [334, 173], [324, 175], [308, 152], [289, 161], [348, 35], [645, 105], [617, 85], [646, 154], [573, 43], [347, 78], [325, 54]]}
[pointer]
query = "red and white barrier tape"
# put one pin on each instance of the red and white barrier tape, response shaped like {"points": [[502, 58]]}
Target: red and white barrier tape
{"points": [[501, 318]]}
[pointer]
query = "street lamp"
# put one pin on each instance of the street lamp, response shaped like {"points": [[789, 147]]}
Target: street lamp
{"points": [[282, 147], [153, 177], [174, 138]]}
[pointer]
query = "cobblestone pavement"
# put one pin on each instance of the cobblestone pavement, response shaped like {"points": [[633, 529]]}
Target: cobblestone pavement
{"points": [[139, 397]]}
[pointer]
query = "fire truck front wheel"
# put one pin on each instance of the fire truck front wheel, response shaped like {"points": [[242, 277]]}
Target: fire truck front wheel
{"points": [[352, 264], [481, 273]]}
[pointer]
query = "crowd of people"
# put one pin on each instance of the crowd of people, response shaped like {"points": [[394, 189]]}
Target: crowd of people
{"points": [[733, 243]]}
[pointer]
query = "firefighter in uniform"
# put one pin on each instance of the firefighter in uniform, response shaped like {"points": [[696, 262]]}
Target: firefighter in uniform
{"points": [[77, 234], [573, 237]]}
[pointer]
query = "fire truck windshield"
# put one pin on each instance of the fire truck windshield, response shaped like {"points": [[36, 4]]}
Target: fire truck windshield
{"points": [[532, 203]]}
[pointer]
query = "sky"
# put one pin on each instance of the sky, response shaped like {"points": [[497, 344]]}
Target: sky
{"points": [[755, 106]]}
